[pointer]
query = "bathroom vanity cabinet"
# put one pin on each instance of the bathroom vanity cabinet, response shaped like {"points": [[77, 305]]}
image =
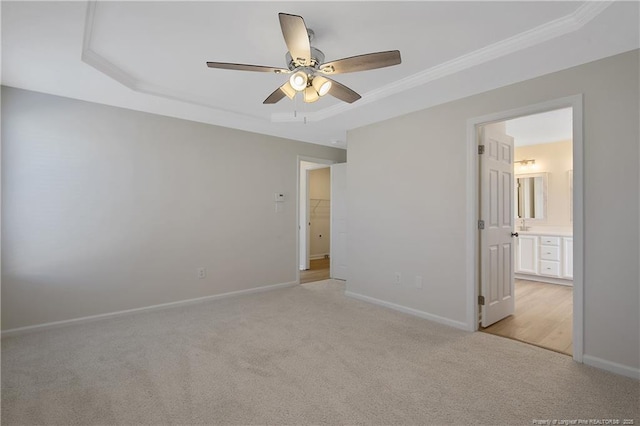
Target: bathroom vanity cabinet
{"points": [[545, 257]]}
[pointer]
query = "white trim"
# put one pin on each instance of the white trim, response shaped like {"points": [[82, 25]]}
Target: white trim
{"points": [[94, 59], [578, 229], [544, 279], [472, 263], [81, 320], [415, 312], [540, 34], [300, 158], [614, 367], [473, 213], [318, 256]]}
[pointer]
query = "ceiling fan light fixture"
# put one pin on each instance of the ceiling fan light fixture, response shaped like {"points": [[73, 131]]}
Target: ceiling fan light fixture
{"points": [[327, 69], [309, 62], [288, 90], [322, 85], [299, 81], [310, 94]]}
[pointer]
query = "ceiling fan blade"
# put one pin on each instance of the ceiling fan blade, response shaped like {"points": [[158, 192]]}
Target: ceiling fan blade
{"points": [[342, 92], [296, 38], [279, 93], [245, 67], [365, 62], [275, 97]]}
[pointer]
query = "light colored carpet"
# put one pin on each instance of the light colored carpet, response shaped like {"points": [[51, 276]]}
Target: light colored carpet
{"points": [[301, 355]]}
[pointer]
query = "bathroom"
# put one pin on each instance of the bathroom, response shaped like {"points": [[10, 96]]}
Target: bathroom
{"points": [[543, 193]]}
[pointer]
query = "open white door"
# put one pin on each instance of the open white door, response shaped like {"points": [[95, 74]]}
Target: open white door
{"points": [[307, 223], [496, 211], [339, 221]]}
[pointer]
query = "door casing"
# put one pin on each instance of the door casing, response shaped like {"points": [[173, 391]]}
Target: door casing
{"points": [[339, 231], [321, 163], [472, 236]]}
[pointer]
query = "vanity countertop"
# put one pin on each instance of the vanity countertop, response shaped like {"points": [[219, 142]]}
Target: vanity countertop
{"points": [[549, 232]]}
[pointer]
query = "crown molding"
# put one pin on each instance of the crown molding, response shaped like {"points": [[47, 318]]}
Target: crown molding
{"points": [[540, 34], [92, 58]]}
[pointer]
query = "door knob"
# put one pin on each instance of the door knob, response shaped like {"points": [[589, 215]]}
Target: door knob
{"points": [[514, 234]]}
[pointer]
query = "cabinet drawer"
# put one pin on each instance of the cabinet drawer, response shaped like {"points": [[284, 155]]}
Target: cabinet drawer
{"points": [[548, 267], [550, 253], [550, 241]]}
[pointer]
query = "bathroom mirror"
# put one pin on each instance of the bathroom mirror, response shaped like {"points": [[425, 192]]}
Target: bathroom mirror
{"points": [[531, 196]]}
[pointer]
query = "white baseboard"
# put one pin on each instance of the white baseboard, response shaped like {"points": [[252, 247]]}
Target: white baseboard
{"points": [[543, 279], [318, 256], [49, 325], [614, 367], [410, 311]]}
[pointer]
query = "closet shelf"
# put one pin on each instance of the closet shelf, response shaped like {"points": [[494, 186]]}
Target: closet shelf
{"points": [[320, 203]]}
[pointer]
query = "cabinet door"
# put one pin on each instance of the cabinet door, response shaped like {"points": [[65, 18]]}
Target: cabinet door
{"points": [[567, 257], [527, 254]]}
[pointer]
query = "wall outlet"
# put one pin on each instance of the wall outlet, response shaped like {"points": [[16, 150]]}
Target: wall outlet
{"points": [[397, 278], [418, 281], [202, 273]]}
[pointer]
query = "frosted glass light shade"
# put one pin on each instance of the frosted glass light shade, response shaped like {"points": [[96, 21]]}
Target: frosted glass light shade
{"points": [[310, 94], [298, 81], [288, 90], [322, 85]]}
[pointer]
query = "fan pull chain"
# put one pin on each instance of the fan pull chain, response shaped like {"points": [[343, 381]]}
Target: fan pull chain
{"points": [[305, 112]]}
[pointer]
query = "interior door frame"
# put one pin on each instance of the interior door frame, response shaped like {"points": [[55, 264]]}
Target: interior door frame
{"points": [[473, 211], [307, 228], [299, 159]]}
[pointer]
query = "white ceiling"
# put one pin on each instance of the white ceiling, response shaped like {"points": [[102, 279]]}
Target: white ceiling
{"points": [[546, 127], [150, 56]]}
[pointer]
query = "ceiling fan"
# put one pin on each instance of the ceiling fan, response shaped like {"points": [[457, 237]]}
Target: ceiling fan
{"points": [[307, 67]]}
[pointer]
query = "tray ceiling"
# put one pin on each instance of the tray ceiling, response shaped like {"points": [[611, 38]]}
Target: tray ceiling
{"points": [[150, 56]]}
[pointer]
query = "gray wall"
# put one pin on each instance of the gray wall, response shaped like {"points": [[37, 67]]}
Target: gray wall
{"points": [[418, 161], [106, 209]]}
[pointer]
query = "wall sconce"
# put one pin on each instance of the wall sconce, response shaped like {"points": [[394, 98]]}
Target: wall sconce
{"points": [[526, 164]]}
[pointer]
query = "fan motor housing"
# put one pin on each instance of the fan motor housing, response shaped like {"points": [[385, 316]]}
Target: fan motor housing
{"points": [[317, 58]]}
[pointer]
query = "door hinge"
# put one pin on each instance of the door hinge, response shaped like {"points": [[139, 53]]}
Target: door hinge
{"points": [[481, 300], [481, 224], [480, 149]]}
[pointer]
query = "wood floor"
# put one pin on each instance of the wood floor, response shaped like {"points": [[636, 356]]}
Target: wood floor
{"points": [[543, 316], [319, 271]]}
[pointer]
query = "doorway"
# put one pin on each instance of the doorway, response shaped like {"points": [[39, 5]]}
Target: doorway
{"points": [[552, 251], [541, 263], [314, 219], [543, 316]]}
